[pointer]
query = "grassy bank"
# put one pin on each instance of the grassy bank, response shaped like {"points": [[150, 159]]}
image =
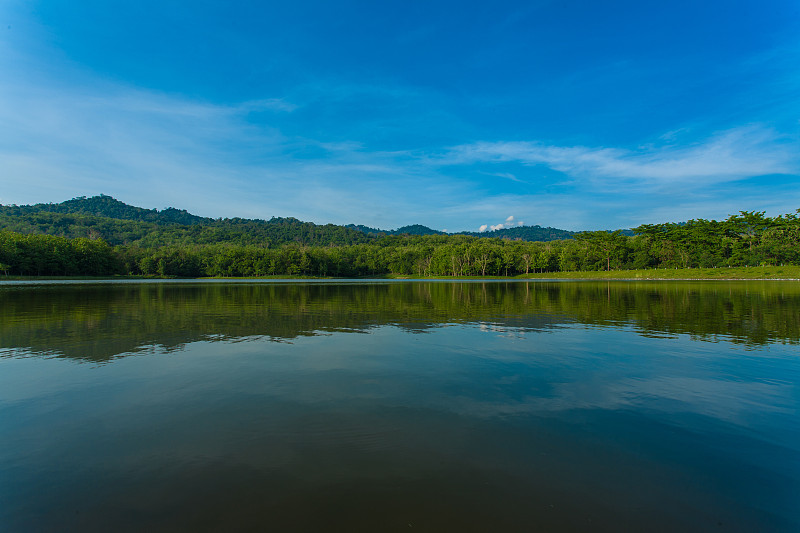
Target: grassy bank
{"points": [[761, 272], [790, 272]]}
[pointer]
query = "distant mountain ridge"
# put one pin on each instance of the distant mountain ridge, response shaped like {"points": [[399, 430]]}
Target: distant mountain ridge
{"points": [[119, 223], [413, 229], [522, 233], [525, 233], [107, 206]]}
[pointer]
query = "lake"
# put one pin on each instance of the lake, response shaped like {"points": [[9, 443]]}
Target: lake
{"points": [[399, 406]]}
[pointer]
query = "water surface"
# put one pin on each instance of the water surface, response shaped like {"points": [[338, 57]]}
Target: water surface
{"points": [[387, 406]]}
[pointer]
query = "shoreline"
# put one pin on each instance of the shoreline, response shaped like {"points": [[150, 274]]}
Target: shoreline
{"points": [[760, 273]]}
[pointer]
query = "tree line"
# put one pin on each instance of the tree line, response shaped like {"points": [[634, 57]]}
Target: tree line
{"points": [[49, 255], [746, 239], [119, 223], [147, 234]]}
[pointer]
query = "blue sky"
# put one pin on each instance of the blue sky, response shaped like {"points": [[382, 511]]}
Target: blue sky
{"points": [[455, 115]]}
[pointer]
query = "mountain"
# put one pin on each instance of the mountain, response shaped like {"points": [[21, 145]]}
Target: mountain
{"points": [[417, 229], [121, 224], [521, 233], [107, 206], [525, 233], [414, 229]]}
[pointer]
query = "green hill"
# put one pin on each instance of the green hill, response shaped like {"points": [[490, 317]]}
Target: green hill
{"points": [[413, 229], [520, 233], [106, 206], [78, 237], [121, 224], [525, 233]]}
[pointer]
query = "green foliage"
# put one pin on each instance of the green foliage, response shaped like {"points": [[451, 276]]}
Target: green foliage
{"points": [[48, 255], [525, 233], [746, 239], [121, 224], [106, 206], [520, 233], [414, 229], [72, 239]]}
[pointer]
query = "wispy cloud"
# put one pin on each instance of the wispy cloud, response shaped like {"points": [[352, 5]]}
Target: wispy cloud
{"points": [[158, 150], [359, 151], [504, 175], [730, 155]]}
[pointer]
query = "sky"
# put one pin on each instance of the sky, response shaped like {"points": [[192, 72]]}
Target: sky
{"points": [[580, 115]]}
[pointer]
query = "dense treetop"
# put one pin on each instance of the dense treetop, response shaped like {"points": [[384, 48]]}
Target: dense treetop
{"points": [[525, 233], [51, 242], [414, 229], [522, 233], [106, 206], [119, 223]]}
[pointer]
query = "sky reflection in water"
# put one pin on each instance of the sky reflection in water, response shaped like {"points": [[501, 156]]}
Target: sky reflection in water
{"points": [[512, 407]]}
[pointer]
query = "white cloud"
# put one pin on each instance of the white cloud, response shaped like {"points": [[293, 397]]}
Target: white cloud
{"points": [[505, 175], [730, 155], [509, 223], [67, 132], [62, 140]]}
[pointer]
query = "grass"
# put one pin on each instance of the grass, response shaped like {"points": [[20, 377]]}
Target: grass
{"points": [[788, 272], [761, 272]]}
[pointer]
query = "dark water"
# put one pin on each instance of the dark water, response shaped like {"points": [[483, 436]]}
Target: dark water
{"points": [[400, 406]]}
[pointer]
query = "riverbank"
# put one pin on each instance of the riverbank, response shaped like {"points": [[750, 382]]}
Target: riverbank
{"points": [[790, 272]]}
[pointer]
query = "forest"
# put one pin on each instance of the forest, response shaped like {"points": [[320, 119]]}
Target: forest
{"points": [[81, 239], [117, 223]]}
